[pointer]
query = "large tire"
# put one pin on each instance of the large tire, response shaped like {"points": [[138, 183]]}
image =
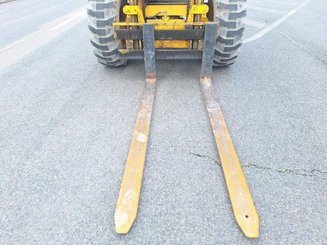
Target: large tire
{"points": [[101, 15], [230, 15]]}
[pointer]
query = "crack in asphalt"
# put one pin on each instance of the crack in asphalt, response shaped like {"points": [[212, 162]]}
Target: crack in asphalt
{"points": [[298, 44], [205, 156], [303, 48], [301, 172]]}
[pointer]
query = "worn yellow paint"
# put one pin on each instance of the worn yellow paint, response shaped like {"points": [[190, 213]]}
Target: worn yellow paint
{"points": [[172, 23], [243, 207], [140, 16], [200, 9], [128, 9], [169, 43], [169, 10], [134, 10], [128, 200], [167, 23], [204, 18], [169, 19], [190, 17], [174, 44]]}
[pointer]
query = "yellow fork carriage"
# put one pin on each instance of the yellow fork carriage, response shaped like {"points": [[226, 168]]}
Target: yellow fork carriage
{"points": [[209, 30], [174, 24]]}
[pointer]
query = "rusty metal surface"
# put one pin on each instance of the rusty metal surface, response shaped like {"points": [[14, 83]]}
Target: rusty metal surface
{"points": [[128, 200], [239, 193]]}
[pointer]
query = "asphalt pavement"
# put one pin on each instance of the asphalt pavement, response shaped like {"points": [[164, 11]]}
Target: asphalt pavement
{"points": [[66, 123]]}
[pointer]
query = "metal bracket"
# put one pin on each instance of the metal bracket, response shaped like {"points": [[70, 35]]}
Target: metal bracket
{"points": [[134, 10], [207, 53], [149, 51], [200, 9], [208, 49], [130, 9]]}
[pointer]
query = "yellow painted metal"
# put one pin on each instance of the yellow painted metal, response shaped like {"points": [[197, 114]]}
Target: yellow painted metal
{"points": [[195, 18], [190, 17], [173, 22], [200, 9], [243, 207], [128, 200], [135, 19], [134, 10], [128, 9], [204, 18], [169, 10], [140, 15], [174, 44], [167, 20], [169, 43]]}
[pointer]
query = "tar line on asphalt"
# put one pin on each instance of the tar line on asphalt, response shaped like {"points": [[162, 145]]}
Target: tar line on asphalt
{"points": [[10, 54]]}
